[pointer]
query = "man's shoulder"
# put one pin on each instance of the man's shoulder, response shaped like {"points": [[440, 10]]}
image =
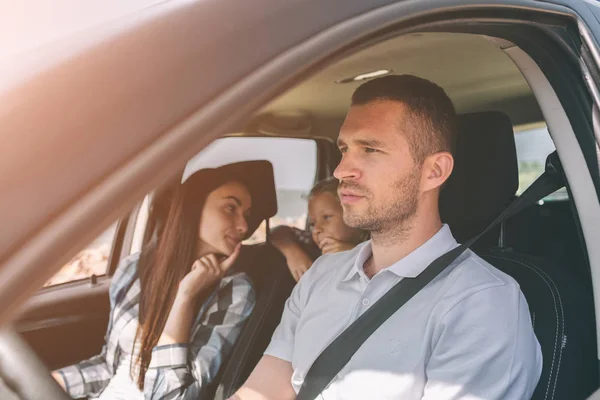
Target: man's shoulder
{"points": [[479, 266], [472, 274]]}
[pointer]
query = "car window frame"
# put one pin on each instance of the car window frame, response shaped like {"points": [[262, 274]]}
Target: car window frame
{"points": [[121, 241]]}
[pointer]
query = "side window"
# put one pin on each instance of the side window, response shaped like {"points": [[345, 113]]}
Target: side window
{"points": [[534, 144], [92, 260], [294, 164]]}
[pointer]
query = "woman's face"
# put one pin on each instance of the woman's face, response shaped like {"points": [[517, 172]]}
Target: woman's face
{"points": [[223, 222], [326, 219]]}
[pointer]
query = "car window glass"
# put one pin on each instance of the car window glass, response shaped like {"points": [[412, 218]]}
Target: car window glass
{"points": [[534, 144], [92, 260]]}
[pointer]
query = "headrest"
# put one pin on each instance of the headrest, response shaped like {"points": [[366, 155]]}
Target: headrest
{"points": [[257, 176], [485, 176]]}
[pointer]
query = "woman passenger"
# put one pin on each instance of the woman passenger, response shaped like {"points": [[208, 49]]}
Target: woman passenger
{"points": [[178, 307]]}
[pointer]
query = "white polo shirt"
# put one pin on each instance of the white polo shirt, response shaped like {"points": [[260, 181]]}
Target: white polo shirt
{"points": [[466, 335]]}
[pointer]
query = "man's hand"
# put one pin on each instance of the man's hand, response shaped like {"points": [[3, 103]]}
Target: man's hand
{"points": [[270, 380], [330, 245]]}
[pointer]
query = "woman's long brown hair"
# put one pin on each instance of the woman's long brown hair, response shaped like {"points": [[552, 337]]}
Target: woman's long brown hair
{"points": [[164, 261]]}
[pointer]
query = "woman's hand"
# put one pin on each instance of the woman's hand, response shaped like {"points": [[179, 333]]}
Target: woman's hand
{"points": [[205, 272], [330, 245]]}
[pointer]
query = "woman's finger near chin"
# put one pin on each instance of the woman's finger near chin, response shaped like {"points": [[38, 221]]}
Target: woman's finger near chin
{"points": [[210, 267], [212, 259], [217, 265], [204, 262]]}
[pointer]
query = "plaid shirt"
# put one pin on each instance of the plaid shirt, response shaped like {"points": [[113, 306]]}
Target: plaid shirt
{"points": [[176, 371]]}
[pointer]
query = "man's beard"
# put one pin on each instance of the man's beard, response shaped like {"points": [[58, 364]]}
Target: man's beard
{"points": [[392, 218]]}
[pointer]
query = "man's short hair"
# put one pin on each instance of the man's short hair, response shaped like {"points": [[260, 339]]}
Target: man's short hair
{"points": [[432, 117]]}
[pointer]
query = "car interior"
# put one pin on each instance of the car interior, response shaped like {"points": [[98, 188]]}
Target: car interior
{"points": [[542, 247]]}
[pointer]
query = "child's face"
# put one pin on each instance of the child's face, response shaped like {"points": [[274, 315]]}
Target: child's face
{"points": [[326, 219]]}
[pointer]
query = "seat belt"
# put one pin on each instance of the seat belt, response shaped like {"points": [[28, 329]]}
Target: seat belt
{"points": [[335, 356]]}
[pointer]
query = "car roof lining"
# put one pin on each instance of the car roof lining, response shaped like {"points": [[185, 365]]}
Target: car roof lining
{"points": [[473, 69]]}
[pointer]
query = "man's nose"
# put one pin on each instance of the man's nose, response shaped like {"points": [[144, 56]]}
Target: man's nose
{"points": [[346, 169]]}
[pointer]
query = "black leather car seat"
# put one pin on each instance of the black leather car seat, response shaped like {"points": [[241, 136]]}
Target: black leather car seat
{"points": [[485, 180]]}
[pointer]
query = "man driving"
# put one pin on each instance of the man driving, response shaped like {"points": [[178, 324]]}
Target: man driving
{"points": [[466, 335]]}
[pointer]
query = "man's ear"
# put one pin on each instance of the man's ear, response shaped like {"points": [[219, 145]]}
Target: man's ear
{"points": [[436, 170]]}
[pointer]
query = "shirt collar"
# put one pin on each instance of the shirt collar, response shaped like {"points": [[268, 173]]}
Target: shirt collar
{"points": [[415, 262], [357, 268]]}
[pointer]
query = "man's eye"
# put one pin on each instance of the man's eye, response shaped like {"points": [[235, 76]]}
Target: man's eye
{"points": [[343, 150], [327, 217], [370, 150], [230, 208]]}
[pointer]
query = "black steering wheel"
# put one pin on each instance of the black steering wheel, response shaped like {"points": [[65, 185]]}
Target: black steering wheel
{"points": [[23, 375]]}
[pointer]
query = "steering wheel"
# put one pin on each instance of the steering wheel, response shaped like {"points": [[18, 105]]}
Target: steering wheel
{"points": [[25, 376]]}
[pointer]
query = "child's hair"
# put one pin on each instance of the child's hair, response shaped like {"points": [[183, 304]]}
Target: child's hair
{"points": [[327, 185]]}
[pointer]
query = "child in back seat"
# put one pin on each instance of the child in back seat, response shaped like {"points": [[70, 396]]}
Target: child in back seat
{"points": [[327, 231]]}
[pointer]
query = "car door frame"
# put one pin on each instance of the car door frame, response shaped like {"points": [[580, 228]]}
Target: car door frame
{"points": [[44, 242], [66, 323]]}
